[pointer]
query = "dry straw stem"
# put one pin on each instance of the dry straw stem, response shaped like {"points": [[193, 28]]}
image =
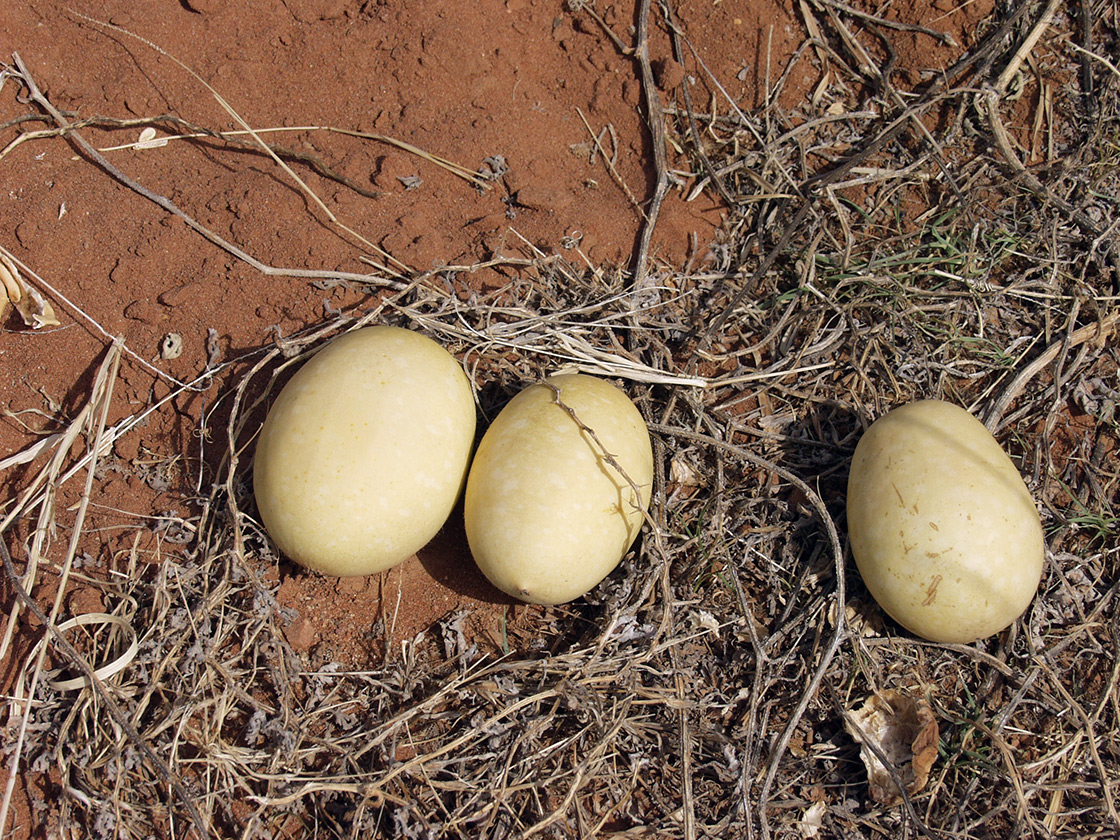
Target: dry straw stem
{"points": [[268, 270], [609, 162], [886, 23], [41, 492], [839, 631], [988, 103], [234, 137], [1098, 333], [655, 120], [120, 718], [99, 403], [808, 192], [246, 127]]}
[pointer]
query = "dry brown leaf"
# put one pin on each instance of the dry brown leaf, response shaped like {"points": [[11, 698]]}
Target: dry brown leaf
{"points": [[812, 821], [682, 473], [33, 308], [905, 732]]}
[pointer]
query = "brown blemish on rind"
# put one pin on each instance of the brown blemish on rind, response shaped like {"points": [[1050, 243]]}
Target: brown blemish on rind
{"points": [[898, 493], [931, 591]]}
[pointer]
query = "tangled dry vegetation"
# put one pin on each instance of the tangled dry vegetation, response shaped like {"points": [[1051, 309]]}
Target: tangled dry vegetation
{"points": [[882, 244]]}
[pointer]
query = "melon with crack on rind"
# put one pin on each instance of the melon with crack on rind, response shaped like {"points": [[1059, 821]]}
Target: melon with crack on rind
{"points": [[943, 530], [548, 516], [365, 451]]}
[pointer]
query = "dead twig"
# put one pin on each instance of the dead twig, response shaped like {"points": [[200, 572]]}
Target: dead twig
{"points": [[1099, 332], [268, 270], [655, 119], [106, 376]]}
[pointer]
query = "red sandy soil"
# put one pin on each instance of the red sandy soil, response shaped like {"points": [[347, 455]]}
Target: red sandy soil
{"points": [[463, 81]]}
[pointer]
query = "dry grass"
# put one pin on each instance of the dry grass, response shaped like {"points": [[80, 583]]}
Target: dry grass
{"points": [[872, 255]]}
